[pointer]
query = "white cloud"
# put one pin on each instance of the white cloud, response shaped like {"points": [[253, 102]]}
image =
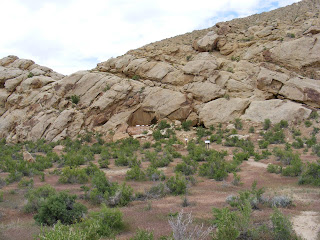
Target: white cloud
{"points": [[70, 35]]}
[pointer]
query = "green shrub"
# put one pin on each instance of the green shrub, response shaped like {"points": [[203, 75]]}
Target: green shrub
{"points": [[311, 174], [35, 197], [177, 184], [316, 149], [163, 125], [146, 145], [158, 191], [186, 125], [30, 75], [187, 167], [298, 143], [274, 168], [25, 182], [238, 124], [75, 99], [103, 191], [202, 132], [263, 144], [135, 173], [236, 179], [315, 131], [73, 175], [107, 222], [226, 222], [154, 174], [311, 141], [291, 35], [281, 226], [251, 129], [216, 138], [1, 196], [143, 235], [60, 207], [308, 123], [314, 115], [241, 156], [63, 232], [266, 124], [274, 136], [215, 169], [285, 156], [295, 132], [294, 169], [135, 77]]}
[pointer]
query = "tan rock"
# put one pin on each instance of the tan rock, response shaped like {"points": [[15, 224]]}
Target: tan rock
{"points": [[205, 91], [302, 89], [228, 48], [207, 43], [28, 157], [276, 110], [222, 110], [163, 102], [271, 81], [7, 60], [298, 53], [194, 118], [264, 32]]}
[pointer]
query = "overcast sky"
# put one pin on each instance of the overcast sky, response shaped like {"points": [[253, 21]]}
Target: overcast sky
{"points": [[72, 35]]}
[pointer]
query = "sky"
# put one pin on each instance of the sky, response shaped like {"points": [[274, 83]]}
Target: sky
{"points": [[73, 35]]}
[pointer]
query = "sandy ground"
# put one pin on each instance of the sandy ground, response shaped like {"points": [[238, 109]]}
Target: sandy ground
{"points": [[307, 225]]}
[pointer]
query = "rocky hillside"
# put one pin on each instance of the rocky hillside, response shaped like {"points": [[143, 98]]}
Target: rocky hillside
{"points": [[262, 66]]}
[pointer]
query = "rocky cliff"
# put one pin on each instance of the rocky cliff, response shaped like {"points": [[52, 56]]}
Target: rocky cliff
{"points": [[262, 66]]}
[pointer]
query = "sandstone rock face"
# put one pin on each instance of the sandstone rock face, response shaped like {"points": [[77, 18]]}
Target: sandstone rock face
{"points": [[222, 110], [262, 66], [298, 53], [276, 110]]}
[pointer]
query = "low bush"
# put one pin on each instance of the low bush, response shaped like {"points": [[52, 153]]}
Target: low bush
{"points": [[266, 124], [177, 184], [143, 235], [298, 143], [186, 125], [104, 191], [135, 173], [36, 197], [75, 99], [281, 226], [238, 124], [60, 207], [73, 175], [25, 182], [62, 232], [272, 168], [311, 174], [107, 222], [154, 174], [163, 125]]}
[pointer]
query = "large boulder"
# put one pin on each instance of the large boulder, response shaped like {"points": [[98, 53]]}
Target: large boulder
{"points": [[302, 89], [222, 110], [276, 110], [298, 53], [163, 102], [207, 43], [205, 91]]}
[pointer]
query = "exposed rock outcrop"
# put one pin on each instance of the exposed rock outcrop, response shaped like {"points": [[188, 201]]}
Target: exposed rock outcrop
{"points": [[262, 66]]}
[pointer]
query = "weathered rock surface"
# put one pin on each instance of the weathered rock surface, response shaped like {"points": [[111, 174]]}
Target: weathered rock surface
{"points": [[276, 110], [262, 66], [222, 110]]}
